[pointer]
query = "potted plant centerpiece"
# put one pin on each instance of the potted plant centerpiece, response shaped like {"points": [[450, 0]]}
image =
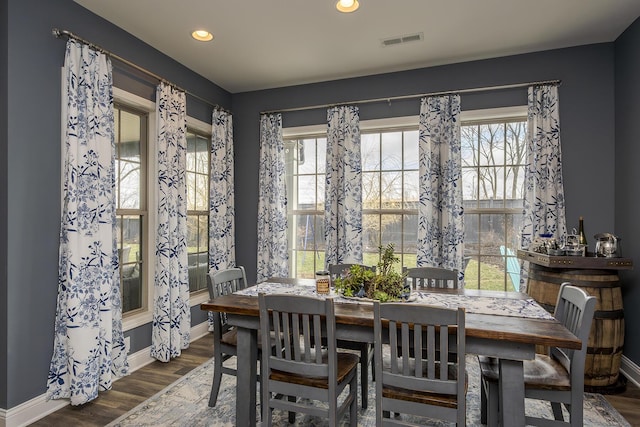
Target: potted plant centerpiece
{"points": [[385, 284]]}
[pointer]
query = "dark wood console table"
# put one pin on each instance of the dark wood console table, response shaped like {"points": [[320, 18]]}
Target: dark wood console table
{"points": [[598, 276]]}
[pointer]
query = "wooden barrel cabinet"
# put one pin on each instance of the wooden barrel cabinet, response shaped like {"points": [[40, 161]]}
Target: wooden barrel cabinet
{"points": [[597, 277]]}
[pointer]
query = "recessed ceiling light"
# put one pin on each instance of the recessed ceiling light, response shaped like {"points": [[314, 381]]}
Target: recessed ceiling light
{"points": [[347, 6], [202, 35]]}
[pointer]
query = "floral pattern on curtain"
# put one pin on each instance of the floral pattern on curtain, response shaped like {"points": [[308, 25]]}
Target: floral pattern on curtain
{"points": [[544, 204], [343, 190], [171, 310], [221, 193], [273, 256], [89, 348], [440, 211]]}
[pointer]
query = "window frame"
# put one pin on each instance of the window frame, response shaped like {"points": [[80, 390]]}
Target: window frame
{"points": [[203, 129], [145, 315], [500, 114]]}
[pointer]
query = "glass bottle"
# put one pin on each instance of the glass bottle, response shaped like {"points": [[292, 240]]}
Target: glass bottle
{"points": [[582, 238]]}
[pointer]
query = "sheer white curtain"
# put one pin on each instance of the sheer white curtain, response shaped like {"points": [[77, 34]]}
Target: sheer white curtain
{"points": [[273, 256], [171, 311], [221, 193], [440, 212], [343, 190], [544, 204], [89, 346]]}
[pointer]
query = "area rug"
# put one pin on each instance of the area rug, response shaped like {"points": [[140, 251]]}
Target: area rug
{"points": [[184, 404]]}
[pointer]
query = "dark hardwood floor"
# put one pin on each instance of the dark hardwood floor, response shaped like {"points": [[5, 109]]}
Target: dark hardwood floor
{"points": [[131, 390], [147, 381]]}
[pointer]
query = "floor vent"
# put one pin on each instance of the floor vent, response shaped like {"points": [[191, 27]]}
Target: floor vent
{"points": [[393, 41]]}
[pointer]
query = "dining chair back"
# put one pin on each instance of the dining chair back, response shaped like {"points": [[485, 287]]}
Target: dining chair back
{"points": [[223, 282], [302, 370], [365, 348], [423, 383], [431, 277], [557, 377]]}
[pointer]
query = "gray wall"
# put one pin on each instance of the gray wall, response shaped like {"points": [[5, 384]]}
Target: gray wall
{"points": [[586, 114], [627, 175], [30, 173]]}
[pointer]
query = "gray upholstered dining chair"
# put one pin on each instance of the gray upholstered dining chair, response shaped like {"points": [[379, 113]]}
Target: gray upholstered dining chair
{"points": [[557, 377], [301, 371], [423, 383], [431, 277], [365, 349], [225, 340]]}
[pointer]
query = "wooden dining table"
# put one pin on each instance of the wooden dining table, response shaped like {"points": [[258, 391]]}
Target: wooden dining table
{"points": [[510, 338]]}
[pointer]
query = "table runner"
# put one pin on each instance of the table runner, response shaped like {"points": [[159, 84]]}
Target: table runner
{"points": [[528, 307]]}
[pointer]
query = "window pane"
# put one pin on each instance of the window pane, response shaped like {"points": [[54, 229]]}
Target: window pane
{"points": [[371, 233], [202, 155], [307, 156], [129, 136], [391, 191], [370, 148], [392, 151], [322, 154], [191, 190], [306, 192], [470, 186], [201, 192], [370, 190], [411, 150], [491, 149], [411, 190], [130, 250]]}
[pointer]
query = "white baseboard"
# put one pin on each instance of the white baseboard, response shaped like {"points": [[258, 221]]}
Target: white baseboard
{"points": [[630, 370], [38, 407]]}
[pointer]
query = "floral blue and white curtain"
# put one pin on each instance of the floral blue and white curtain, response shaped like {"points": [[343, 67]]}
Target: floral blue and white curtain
{"points": [[221, 193], [343, 190], [89, 348], [273, 256], [171, 311], [440, 212], [544, 204]]}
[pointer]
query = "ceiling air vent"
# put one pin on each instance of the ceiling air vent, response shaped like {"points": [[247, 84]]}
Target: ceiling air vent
{"points": [[393, 41]]}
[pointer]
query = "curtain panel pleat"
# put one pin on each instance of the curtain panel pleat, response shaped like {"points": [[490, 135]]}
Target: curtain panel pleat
{"points": [[221, 193], [273, 256], [544, 203], [343, 189], [440, 211], [89, 348], [171, 312]]}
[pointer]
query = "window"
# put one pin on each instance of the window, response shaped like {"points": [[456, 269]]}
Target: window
{"points": [[493, 162], [493, 158], [390, 197], [136, 176], [131, 209], [198, 147]]}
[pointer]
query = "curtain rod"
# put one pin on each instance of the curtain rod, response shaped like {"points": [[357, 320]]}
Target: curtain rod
{"points": [[396, 98], [61, 33]]}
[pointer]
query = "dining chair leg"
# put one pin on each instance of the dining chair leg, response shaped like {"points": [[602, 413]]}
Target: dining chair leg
{"points": [[364, 374], [217, 379], [557, 411], [353, 413], [493, 408], [292, 415], [483, 403]]}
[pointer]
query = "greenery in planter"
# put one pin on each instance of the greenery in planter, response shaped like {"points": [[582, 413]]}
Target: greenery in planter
{"points": [[384, 285]]}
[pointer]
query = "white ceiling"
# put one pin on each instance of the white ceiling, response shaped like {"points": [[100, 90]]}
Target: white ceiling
{"points": [[262, 44]]}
